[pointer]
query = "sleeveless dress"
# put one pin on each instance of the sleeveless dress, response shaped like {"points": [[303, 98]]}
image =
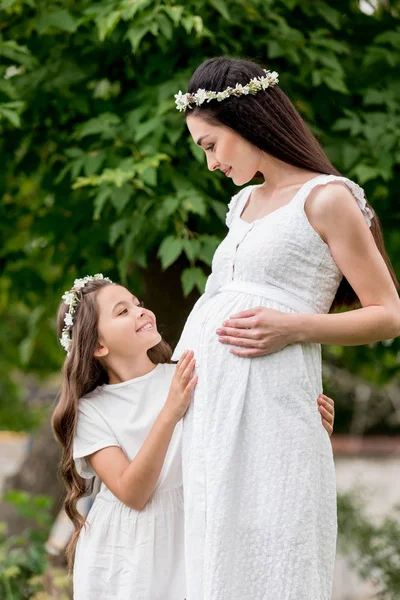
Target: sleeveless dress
{"points": [[258, 472]]}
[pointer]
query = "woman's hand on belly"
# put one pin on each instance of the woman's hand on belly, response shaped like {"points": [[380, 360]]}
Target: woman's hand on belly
{"points": [[256, 332]]}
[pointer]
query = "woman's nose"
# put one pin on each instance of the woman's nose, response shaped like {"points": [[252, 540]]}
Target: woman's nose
{"points": [[212, 164]]}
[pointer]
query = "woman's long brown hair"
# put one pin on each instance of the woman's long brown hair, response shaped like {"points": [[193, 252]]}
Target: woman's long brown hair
{"points": [[269, 121], [81, 374]]}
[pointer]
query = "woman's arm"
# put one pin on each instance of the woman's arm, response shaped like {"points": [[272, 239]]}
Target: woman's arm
{"points": [[340, 223], [134, 482], [334, 214]]}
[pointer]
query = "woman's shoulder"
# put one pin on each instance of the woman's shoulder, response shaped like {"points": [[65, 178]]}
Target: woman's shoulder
{"points": [[336, 194]]}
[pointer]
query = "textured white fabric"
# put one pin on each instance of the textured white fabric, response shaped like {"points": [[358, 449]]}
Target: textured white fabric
{"points": [[258, 473], [125, 554]]}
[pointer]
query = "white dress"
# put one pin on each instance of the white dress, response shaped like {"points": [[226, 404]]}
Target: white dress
{"points": [[125, 554], [258, 472]]}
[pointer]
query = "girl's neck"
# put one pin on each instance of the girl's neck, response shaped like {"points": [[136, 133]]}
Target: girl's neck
{"points": [[122, 369]]}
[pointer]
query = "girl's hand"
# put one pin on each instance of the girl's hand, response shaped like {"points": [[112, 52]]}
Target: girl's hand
{"points": [[181, 388], [326, 407], [256, 332]]}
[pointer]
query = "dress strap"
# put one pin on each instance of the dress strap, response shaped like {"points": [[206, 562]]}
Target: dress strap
{"points": [[355, 189], [237, 204]]}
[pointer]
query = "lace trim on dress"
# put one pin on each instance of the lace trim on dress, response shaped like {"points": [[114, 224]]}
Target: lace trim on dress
{"points": [[233, 205], [355, 189]]}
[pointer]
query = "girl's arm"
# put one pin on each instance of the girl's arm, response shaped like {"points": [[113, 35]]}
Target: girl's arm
{"points": [[335, 215], [133, 482]]}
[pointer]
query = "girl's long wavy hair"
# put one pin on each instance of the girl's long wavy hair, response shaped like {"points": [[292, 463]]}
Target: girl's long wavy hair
{"points": [[269, 121], [81, 374]]}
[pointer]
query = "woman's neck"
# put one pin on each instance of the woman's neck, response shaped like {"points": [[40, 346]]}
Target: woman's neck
{"points": [[278, 174]]}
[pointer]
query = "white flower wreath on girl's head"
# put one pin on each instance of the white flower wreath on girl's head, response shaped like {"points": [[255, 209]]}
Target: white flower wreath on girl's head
{"points": [[71, 298], [184, 101]]}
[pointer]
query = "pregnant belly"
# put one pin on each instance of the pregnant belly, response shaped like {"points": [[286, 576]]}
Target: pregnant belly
{"points": [[297, 362]]}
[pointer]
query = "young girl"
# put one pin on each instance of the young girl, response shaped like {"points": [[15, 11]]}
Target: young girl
{"points": [[119, 417]]}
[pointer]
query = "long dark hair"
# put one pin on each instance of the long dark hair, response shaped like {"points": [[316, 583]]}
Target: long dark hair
{"points": [[269, 121], [81, 374]]}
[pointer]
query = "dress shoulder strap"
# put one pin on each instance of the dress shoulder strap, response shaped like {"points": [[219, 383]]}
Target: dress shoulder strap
{"points": [[237, 204], [355, 189]]}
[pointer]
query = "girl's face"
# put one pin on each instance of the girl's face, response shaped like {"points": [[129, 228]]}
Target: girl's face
{"points": [[126, 329], [225, 150]]}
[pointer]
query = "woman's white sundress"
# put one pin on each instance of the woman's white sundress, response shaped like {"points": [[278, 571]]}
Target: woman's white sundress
{"points": [[126, 554], [258, 472]]}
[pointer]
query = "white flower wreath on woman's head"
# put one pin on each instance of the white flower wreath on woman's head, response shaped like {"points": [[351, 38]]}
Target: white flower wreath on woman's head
{"points": [[71, 298], [184, 101]]}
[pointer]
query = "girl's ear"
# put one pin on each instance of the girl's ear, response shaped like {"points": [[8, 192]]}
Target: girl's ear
{"points": [[101, 351]]}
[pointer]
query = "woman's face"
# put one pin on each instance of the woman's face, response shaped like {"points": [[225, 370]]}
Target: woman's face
{"points": [[225, 150], [126, 329]]}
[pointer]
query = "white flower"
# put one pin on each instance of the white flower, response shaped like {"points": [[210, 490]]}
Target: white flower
{"points": [[181, 101], [200, 96], [68, 320], [65, 341], [273, 78], [79, 284], [68, 297]]}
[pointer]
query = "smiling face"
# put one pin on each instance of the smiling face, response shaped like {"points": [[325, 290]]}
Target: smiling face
{"points": [[126, 329], [225, 150]]}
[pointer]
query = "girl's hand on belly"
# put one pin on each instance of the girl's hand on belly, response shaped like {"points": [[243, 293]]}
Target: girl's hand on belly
{"points": [[256, 332]]}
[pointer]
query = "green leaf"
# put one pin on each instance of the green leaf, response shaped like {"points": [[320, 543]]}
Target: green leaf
{"points": [[221, 7], [120, 197], [209, 244], [191, 248], [191, 278], [144, 129], [60, 19], [195, 204], [169, 251], [117, 229], [100, 200], [197, 152], [275, 49], [107, 24], [165, 26], [149, 176], [104, 124], [220, 209], [332, 16], [11, 116], [135, 36], [335, 83], [365, 173]]}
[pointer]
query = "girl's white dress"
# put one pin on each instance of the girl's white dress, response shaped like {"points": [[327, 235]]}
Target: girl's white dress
{"points": [[125, 554], [258, 473]]}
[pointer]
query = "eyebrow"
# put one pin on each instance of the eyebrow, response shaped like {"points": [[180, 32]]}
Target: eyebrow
{"points": [[124, 302], [200, 140]]}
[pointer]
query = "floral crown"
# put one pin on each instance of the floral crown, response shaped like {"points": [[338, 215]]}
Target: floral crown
{"points": [[71, 298], [184, 101]]}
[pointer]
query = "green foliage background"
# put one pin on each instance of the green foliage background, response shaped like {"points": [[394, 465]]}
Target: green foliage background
{"points": [[99, 173]]}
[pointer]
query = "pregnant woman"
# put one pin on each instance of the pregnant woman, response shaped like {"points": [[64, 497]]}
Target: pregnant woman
{"points": [[259, 480]]}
